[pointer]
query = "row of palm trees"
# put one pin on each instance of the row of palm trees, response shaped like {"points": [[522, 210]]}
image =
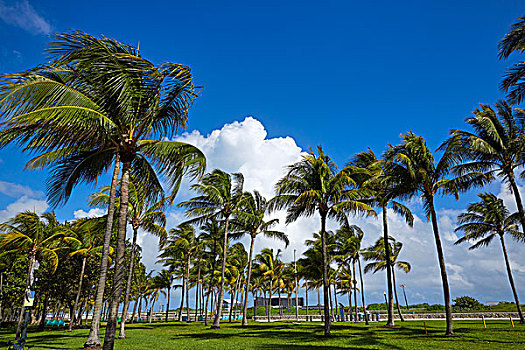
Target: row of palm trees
{"points": [[98, 104]]}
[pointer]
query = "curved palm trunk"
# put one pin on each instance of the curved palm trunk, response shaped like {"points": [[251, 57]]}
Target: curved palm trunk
{"points": [[395, 294], [245, 304], [119, 275], [77, 299], [217, 320], [325, 277], [511, 280], [168, 305], [388, 254], [93, 339], [122, 333], [362, 291], [442, 268], [28, 285], [517, 197]]}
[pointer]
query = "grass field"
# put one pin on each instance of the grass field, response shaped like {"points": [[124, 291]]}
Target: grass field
{"points": [[408, 335]]}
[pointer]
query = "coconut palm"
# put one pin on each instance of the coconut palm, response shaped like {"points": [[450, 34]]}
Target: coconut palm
{"points": [[378, 257], [385, 192], [347, 251], [38, 237], [87, 231], [271, 267], [413, 165], [514, 41], [314, 185], [120, 104], [250, 221], [220, 198], [144, 213], [182, 239], [483, 221], [494, 149]]}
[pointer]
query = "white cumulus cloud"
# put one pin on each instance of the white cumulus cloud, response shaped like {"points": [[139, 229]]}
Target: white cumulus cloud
{"points": [[91, 213], [15, 190]]}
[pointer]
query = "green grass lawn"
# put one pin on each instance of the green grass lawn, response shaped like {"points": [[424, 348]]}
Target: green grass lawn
{"points": [[408, 335]]}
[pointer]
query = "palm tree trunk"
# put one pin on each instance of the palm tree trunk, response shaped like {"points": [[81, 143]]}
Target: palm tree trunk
{"points": [[355, 290], [335, 297], [206, 307], [362, 290], [390, 311], [187, 288], [42, 324], [511, 279], [325, 276], [77, 299], [119, 275], [93, 339], [197, 290], [28, 285], [395, 294], [307, 306], [331, 301], [269, 301], [280, 308], [350, 305], [122, 333], [217, 320], [441, 259], [168, 304], [1, 293], [517, 197], [245, 304], [181, 308]]}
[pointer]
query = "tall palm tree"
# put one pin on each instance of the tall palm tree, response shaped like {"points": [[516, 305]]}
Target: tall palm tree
{"points": [[120, 105], [314, 185], [39, 238], [514, 41], [347, 251], [87, 231], [412, 164], [385, 192], [182, 238], [250, 221], [494, 149], [271, 267], [377, 255], [144, 213], [483, 221], [220, 198]]}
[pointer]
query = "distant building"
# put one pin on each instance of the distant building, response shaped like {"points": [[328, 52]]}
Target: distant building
{"points": [[274, 302], [227, 303], [493, 303]]}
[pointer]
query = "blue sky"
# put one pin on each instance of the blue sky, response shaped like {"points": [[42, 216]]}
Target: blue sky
{"points": [[347, 75]]}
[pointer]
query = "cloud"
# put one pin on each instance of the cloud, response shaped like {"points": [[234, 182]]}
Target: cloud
{"points": [[92, 213], [244, 146], [16, 190], [22, 204], [21, 14]]}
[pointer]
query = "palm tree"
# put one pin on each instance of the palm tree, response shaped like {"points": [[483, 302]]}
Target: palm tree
{"points": [[250, 219], [143, 213], [37, 237], [377, 255], [483, 221], [494, 149], [314, 185], [271, 267], [413, 165], [183, 239], [87, 231], [118, 101], [347, 251], [165, 280], [220, 198], [514, 41], [385, 192]]}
